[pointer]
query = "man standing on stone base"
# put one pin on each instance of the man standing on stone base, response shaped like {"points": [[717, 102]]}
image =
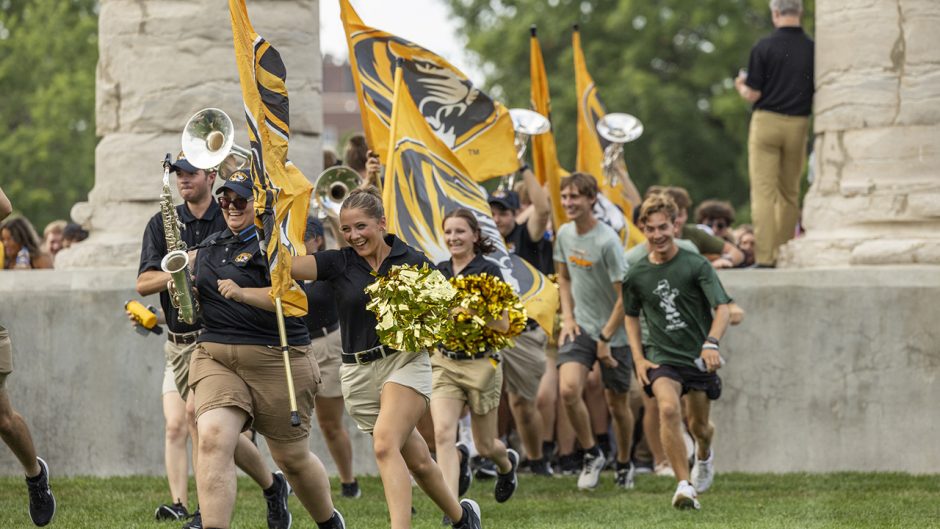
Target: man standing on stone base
{"points": [[676, 290], [779, 82], [14, 431]]}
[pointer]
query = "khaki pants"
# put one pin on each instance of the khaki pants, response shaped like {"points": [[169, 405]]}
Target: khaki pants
{"points": [[776, 149]]}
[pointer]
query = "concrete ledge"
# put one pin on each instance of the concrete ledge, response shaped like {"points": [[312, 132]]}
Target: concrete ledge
{"points": [[832, 370]]}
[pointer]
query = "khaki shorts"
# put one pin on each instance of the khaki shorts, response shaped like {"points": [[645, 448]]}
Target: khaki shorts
{"points": [[251, 378], [6, 355], [524, 364], [328, 352], [362, 384], [475, 382], [176, 375]]}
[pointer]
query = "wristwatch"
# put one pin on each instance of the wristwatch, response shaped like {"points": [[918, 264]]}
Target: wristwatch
{"points": [[601, 337], [712, 339]]}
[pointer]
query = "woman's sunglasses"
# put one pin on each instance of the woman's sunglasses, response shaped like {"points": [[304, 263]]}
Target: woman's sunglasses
{"points": [[239, 203]]}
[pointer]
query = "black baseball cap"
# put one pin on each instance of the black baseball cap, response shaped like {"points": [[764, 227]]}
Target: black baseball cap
{"points": [[240, 183], [505, 199], [182, 164]]}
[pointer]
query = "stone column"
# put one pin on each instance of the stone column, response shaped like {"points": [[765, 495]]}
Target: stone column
{"points": [[876, 194], [159, 62]]}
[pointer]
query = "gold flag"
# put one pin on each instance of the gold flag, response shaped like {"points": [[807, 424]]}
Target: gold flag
{"points": [[282, 193], [477, 128], [544, 154], [591, 145], [424, 180]]}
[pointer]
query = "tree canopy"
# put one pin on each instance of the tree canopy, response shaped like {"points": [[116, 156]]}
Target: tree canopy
{"points": [[48, 53], [670, 63]]}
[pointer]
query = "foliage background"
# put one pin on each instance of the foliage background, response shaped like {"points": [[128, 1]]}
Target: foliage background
{"points": [[48, 54], [668, 62]]}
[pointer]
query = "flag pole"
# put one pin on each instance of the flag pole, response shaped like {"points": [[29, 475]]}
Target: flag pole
{"points": [[285, 352]]}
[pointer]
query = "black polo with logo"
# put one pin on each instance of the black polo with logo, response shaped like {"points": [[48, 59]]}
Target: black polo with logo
{"points": [[195, 230], [239, 258], [349, 275]]}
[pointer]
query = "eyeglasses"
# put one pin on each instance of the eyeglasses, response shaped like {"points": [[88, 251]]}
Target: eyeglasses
{"points": [[239, 203], [717, 224]]}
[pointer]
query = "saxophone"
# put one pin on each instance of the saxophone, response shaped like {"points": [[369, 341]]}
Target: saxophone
{"points": [[176, 261]]}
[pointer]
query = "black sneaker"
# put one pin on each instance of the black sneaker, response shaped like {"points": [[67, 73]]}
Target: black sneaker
{"points": [[171, 513], [541, 467], [466, 477], [570, 464], [41, 500], [351, 490], [471, 516], [278, 514], [624, 476], [485, 469], [335, 522], [195, 521], [506, 483]]}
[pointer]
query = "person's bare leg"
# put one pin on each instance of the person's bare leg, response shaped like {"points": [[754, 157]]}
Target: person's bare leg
{"points": [[425, 427], [175, 456], [215, 476], [446, 413], [702, 430], [330, 418], [619, 406], [248, 459], [667, 393], [395, 440], [305, 473], [572, 377], [529, 424], [191, 423], [16, 435], [484, 428], [547, 400], [595, 402], [651, 429]]}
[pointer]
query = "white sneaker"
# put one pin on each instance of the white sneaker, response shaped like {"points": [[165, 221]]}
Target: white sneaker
{"points": [[685, 497], [591, 471], [703, 472], [663, 468]]}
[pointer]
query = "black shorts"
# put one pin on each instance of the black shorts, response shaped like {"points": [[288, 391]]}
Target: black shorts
{"points": [[583, 350], [690, 377]]}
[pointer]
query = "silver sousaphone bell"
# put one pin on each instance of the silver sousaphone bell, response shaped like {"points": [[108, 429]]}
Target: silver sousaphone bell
{"points": [[526, 123], [331, 188], [617, 128], [209, 142]]}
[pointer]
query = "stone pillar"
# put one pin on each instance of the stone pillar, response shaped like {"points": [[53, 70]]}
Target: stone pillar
{"points": [[160, 62], [876, 194]]}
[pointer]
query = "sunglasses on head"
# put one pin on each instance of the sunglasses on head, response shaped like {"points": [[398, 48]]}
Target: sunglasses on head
{"points": [[239, 202]]}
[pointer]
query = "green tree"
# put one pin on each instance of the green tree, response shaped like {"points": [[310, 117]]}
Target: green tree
{"points": [[668, 62], [48, 52]]}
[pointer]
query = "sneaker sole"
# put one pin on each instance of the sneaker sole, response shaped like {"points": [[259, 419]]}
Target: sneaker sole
{"points": [[45, 468], [684, 502], [475, 507]]}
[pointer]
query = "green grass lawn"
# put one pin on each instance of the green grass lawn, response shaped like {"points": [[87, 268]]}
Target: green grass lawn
{"points": [[736, 501]]}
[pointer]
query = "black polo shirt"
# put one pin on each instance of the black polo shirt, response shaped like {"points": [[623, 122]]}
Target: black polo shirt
{"points": [[349, 274], [154, 249], [537, 253], [478, 265], [239, 258], [781, 67], [321, 306]]}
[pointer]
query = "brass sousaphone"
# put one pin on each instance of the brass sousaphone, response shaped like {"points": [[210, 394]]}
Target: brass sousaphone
{"points": [[526, 123], [332, 187], [209, 142], [618, 129]]}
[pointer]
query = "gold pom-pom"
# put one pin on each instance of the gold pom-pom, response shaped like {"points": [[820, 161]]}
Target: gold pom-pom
{"points": [[412, 305], [482, 298]]}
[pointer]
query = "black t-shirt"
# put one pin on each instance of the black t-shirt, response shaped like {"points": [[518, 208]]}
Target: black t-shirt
{"points": [[349, 274], [154, 249], [321, 306], [238, 257], [537, 253], [478, 265], [781, 67]]}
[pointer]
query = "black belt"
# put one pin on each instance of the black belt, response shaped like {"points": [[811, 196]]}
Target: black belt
{"points": [[453, 355], [185, 338], [369, 355], [323, 331]]}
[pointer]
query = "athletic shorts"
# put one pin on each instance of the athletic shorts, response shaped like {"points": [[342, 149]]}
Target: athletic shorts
{"points": [[524, 364], [328, 352], [6, 356], [477, 382], [176, 374], [690, 377], [583, 350], [363, 383], [251, 378]]}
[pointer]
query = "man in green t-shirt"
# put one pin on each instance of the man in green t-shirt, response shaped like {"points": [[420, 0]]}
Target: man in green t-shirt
{"points": [[677, 290], [589, 260]]}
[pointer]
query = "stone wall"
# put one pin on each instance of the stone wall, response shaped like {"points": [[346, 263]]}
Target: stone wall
{"points": [[876, 197], [160, 62], [831, 370]]}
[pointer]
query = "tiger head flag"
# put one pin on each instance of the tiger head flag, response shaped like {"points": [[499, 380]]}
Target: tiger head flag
{"points": [[424, 180], [544, 154], [282, 193], [591, 145], [477, 128]]}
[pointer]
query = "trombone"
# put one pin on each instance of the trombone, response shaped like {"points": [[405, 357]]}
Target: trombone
{"points": [[209, 143], [526, 123], [617, 128]]}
